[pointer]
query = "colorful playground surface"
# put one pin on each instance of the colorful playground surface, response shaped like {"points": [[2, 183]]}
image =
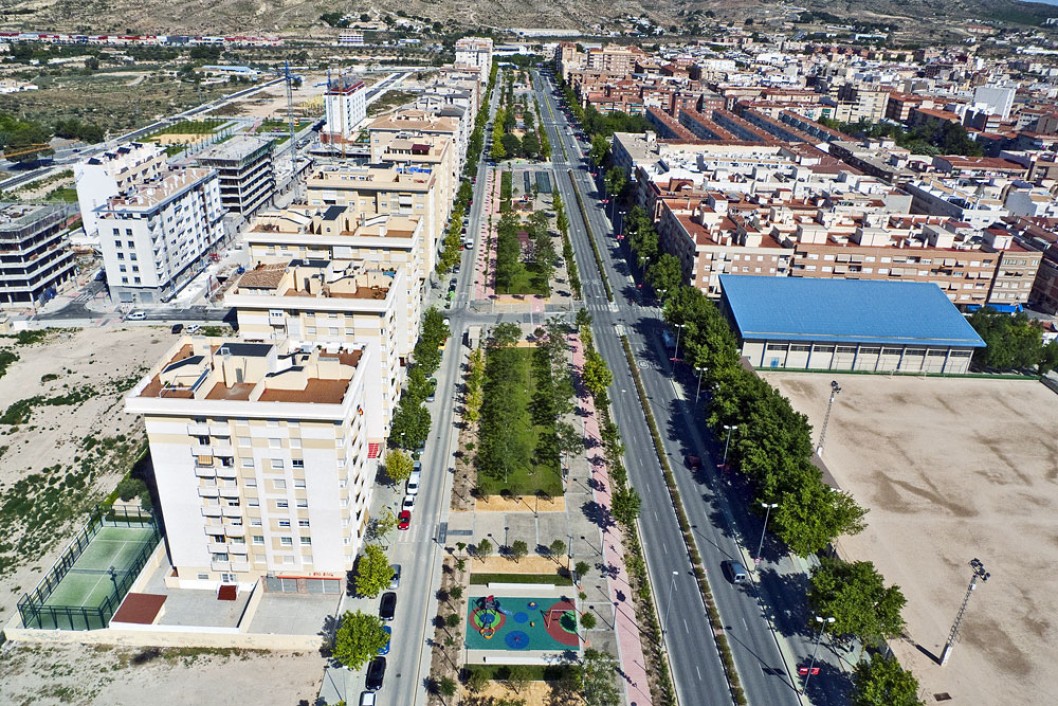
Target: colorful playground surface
{"points": [[515, 624]]}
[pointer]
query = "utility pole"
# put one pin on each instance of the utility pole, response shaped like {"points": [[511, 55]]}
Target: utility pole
{"points": [[979, 575]]}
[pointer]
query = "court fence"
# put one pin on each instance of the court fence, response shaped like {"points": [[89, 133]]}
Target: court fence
{"points": [[37, 613]]}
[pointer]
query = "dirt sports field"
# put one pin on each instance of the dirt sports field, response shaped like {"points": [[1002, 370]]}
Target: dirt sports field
{"points": [[953, 469]]}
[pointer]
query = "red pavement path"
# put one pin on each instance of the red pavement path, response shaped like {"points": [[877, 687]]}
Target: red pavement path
{"points": [[629, 641], [485, 284]]}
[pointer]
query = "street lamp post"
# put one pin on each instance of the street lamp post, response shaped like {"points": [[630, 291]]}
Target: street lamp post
{"points": [[980, 574], [835, 389], [729, 428], [768, 507], [698, 391], [823, 622], [676, 352], [668, 604]]}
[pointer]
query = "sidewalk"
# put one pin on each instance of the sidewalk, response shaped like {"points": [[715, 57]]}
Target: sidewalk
{"points": [[484, 259], [629, 640]]}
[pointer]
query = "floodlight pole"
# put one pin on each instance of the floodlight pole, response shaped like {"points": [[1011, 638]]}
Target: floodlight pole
{"points": [[835, 389], [980, 574]]}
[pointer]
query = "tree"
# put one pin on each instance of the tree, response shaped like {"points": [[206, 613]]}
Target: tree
{"points": [[398, 466], [595, 679], [477, 680], [359, 638], [587, 620], [447, 687], [881, 681], [519, 677], [512, 146], [483, 549], [519, 550], [373, 572], [581, 568], [666, 273], [456, 592], [381, 526], [506, 334], [597, 376], [411, 424], [452, 620], [557, 548], [855, 595], [626, 503], [599, 150], [531, 144], [615, 181], [1013, 342]]}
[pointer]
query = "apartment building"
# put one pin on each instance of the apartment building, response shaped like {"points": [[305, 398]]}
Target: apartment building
{"points": [[334, 302], [345, 107], [414, 124], [260, 458], [157, 236], [246, 168], [476, 52], [113, 173], [303, 232], [941, 198], [34, 259], [371, 190]]}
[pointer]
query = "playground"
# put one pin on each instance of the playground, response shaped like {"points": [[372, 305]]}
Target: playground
{"points": [[523, 623]]}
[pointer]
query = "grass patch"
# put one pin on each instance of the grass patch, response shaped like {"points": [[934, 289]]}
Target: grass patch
{"points": [[509, 458], [29, 337], [19, 412], [6, 359], [555, 579], [535, 672], [388, 101]]}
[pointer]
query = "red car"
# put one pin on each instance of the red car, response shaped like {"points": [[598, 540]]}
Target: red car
{"points": [[404, 520]]}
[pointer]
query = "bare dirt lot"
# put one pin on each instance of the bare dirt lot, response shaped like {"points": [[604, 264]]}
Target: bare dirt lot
{"points": [[44, 675], [953, 469], [65, 440]]}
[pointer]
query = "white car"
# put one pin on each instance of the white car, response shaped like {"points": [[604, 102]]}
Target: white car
{"points": [[193, 328], [136, 316], [413, 483], [409, 503]]}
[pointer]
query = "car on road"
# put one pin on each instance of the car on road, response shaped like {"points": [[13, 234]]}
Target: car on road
{"points": [[136, 316], [387, 608], [408, 503], [376, 672], [394, 583], [413, 482], [368, 699], [177, 328], [735, 572], [384, 650], [194, 328], [404, 520]]}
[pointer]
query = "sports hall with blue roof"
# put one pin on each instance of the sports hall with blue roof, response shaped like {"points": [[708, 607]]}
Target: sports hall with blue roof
{"points": [[838, 324]]}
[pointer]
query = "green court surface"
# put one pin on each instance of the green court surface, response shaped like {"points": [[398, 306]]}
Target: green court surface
{"points": [[88, 582], [516, 624]]}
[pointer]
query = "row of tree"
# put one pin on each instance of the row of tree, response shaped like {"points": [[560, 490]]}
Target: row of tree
{"points": [[411, 421], [453, 240], [773, 447], [1014, 343]]}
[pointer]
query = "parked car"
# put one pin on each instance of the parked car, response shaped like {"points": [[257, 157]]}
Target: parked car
{"points": [[413, 483], [136, 316], [404, 519], [368, 699], [387, 608], [409, 503], [394, 583], [177, 328], [376, 672], [194, 328], [384, 650]]}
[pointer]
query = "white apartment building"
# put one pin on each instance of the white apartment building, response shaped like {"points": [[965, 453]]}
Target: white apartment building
{"points": [[334, 302], [345, 107], [113, 173], [260, 459], [157, 235], [476, 52]]}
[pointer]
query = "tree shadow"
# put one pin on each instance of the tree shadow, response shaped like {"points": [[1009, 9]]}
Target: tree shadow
{"points": [[786, 595], [598, 515], [831, 686]]}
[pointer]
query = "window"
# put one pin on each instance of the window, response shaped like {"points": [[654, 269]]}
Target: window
{"points": [[251, 482], [297, 463], [303, 503], [245, 441], [247, 463], [279, 484], [258, 539], [277, 464], [295, 443], [201, 577], [282, 504], [286, 541], [275, 444], [299, 482], [303, 523], [253, 502], [306, 540], [255, 521], [284, 523], [220, 556]]}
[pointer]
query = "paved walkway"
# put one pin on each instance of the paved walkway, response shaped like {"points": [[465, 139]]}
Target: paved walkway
{"points": [[629, 641], [485, 257]]}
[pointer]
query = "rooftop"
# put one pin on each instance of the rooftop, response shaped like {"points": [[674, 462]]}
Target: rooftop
{"points": [[236, 149], [845, 311]]}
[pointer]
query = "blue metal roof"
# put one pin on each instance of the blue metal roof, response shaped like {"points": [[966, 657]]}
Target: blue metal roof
{"points": [[845, 311]]}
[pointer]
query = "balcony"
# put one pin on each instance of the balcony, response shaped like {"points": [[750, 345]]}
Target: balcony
{"points": [[231, 511], [240, 566], [217, 548], [227, 472], [209, 492], [224, 566], [235, 531], [201, 429], [205, 471], [211, 511], [232, 492], [224, 450]]}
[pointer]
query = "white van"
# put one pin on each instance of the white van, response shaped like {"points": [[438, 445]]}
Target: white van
{"points": [[413, 482], [136, 316]]}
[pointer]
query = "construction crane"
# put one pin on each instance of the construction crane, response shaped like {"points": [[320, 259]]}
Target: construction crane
{"points": [[288, 79]]}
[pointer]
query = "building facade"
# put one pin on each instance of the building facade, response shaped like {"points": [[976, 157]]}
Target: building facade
{"points": [[246, 169], [345, 107], [34, 259], [112, 174], [260, 459], [157, 236]]}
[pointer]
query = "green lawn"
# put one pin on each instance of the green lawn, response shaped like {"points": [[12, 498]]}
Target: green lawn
{"points": [[556, 579], [525, 281], [523, 474]]}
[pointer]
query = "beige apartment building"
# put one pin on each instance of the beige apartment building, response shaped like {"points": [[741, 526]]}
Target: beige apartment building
{"points": [[260, 459], [303, 232], [419, 126], [333, 303], [368, 191]]}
